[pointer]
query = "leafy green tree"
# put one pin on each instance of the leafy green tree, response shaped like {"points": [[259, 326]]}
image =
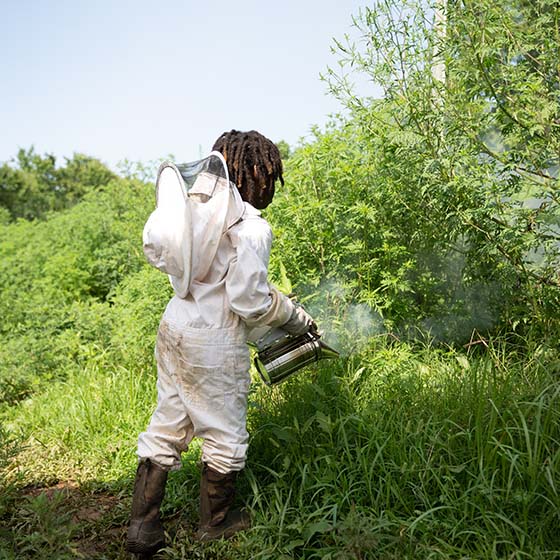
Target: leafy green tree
{"points": [[284, 148], [32, 185], [470, 155]]}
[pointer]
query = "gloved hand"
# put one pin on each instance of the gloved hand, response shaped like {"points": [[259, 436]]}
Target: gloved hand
{"points": [[299, 322]]}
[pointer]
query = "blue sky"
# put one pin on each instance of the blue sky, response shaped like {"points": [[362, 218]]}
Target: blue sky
{"points": [[141, 80]]}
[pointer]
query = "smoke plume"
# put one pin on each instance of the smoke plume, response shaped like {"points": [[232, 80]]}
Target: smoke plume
{"points": [[344, 325]]}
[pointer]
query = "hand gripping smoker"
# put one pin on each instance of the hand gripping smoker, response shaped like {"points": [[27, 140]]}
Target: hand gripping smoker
{"points": [[280, 354]]}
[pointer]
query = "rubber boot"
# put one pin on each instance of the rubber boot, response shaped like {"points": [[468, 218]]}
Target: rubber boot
{"points": [[145, 532], [217, 519]]}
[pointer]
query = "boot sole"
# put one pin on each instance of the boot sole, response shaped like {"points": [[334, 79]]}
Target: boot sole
{"points": [[140, 540], [216, 533], [138, 547]]}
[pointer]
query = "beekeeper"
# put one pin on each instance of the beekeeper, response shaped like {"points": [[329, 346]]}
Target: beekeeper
{"points": [[207, 233]]}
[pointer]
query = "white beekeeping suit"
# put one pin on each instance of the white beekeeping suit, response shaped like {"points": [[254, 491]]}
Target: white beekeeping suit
{"points": [[215, 248]]}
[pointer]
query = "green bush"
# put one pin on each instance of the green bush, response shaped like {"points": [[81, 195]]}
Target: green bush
{"points": [[56, 281], [465, 144]]}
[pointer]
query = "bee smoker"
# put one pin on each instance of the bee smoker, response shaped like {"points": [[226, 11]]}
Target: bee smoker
{"points": [[280, 354]]}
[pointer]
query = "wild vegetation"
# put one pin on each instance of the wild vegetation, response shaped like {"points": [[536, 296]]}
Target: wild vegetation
{"points": [[423, 232]]}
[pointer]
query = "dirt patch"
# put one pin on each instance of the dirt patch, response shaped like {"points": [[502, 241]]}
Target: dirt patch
{"points": [[91, 512], [98, 520], [109, 544], [88, 524], [84, 506], [63, 486]]}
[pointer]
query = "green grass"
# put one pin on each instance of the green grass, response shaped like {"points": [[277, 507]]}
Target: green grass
{"points": [[399, 452]]}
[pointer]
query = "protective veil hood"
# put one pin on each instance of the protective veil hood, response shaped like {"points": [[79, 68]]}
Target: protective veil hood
{"points": [[195, 205]]}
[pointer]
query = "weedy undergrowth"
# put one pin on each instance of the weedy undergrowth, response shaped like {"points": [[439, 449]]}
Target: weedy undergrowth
{"points": [[399, 452]]}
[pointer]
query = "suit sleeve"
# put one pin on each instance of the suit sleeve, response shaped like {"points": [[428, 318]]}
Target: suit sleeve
{"points": [[249, 293]]}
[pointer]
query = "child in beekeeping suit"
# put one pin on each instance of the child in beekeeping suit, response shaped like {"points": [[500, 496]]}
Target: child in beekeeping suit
{"points": [[217, 259]]}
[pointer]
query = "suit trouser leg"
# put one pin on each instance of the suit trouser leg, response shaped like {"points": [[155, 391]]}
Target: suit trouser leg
{"points": [[170, 430]]}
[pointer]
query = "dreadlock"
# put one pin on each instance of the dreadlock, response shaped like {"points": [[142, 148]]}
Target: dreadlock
{"points": [[254, 164]]}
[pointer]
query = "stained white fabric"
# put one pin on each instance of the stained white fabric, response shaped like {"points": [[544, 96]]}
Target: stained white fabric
{"points": [[203, 383], [202, 356]]}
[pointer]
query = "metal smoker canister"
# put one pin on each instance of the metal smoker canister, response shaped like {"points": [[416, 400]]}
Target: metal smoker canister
{"points": [[280, 354]]}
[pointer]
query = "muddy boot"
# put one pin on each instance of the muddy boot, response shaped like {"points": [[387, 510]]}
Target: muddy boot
{"points": [[145, 532], [217, 519]]}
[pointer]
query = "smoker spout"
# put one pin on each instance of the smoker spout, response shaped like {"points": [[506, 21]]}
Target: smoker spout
{"points": [[327, 352]]}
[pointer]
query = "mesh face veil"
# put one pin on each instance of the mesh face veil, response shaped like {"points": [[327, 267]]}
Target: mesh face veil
{"points": [[195, 204]]}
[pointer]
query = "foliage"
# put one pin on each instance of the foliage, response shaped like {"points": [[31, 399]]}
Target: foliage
{"points": [[398, 452], [42, 528], [404, 454], [32, 185], [10, 446], [466, 143], [345, 232], [432, 213], [284, 149], [56, 275]]}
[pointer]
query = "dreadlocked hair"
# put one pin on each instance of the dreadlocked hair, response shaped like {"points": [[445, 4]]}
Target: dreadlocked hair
{"points": [[254, 164]]}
